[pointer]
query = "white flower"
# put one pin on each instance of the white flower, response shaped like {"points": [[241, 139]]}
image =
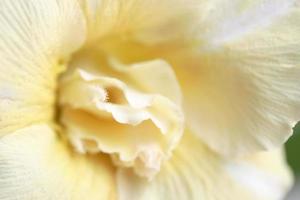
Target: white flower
{"points": [[147, 99]]}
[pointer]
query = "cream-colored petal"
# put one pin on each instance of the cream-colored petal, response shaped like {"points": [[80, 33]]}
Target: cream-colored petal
{"points": [[105, 114], [244, 95], [196, 173], [206, 22], [155, 76], [230, 20], [240, 92], [147, 21], [35, 163], [35, 37]]}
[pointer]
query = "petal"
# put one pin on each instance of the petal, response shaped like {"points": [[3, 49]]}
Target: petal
{"points": [[148, 21], [240, 92], [139, 128], [231, 20], [195, 172], [36, 164], [155, 76], [35, 36], [244, 96]]}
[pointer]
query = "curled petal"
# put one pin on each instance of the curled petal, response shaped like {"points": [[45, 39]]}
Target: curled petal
{"points": [[139, 129], [195, 172]]}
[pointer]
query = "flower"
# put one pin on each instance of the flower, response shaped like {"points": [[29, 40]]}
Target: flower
{"points": [[138, 99]]}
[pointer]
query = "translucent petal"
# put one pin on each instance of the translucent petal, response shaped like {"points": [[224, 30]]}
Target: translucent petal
{"points": [[139, 127], [244, 95], [195, 172], [226, 21], [37, 164], [36, 37]]}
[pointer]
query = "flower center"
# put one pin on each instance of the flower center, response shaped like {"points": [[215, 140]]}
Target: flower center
{"points": [[130, 111]]}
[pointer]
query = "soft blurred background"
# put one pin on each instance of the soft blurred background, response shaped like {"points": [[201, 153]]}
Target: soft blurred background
{"points": [[293, 157]]}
